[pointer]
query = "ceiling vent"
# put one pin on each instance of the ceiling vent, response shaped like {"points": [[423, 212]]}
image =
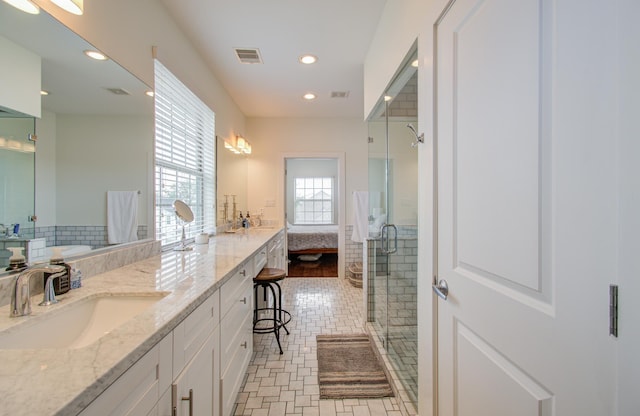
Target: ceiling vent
{"points": [[118, 91], [248, 56], [339, 94]]}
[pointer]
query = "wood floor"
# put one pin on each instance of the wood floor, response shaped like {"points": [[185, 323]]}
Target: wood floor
{"points": [[325, 266]]}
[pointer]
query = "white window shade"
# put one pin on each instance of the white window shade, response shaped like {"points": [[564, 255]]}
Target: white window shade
{"points": [[184, 158]]}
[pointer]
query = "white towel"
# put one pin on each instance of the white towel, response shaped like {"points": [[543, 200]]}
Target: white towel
{"points": [[122, 216], [360, 216]]}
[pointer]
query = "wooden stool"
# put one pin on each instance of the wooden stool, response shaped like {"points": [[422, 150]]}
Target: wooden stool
{"points": [[268, 278]]}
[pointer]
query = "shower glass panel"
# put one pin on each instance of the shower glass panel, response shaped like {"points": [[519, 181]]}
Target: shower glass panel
{"points": [[393, 219], [17, 170]]}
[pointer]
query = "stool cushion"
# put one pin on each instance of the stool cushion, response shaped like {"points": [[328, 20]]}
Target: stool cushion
{"points": [[269, 274]]}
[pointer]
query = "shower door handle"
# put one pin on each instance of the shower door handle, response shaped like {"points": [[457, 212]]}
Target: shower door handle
{"points": [[441, 288], [385, 238]]}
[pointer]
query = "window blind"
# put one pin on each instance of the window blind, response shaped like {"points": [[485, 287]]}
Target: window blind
{"points": [[184, 158]]}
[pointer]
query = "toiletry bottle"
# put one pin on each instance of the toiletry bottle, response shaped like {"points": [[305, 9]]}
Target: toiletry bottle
{"points": [[248, 220], [76, 278], [61, 284], [17, 261], [241, 220]]}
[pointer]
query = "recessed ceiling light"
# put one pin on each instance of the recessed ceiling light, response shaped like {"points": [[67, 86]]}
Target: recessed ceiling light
{"points": [[72, 6], [43, 92], [95, 55], [150, 93], [26, 6], [309, 96], [308, 59], [388, 98], [414, 63]]}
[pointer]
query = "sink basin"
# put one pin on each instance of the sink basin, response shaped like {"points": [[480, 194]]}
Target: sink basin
{"points": [[78, 324]]}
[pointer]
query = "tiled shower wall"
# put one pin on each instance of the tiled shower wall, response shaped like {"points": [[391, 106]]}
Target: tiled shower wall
{"points": [[399, 301], [84, 235], [353, 250]]}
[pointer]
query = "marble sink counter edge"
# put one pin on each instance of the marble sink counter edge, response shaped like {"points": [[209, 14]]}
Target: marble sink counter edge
{"points": [[64, 381]]}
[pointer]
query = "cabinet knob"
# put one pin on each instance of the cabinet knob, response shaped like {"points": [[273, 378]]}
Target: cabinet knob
{"points": [[244, 300], [244, 345], [243, 272]]}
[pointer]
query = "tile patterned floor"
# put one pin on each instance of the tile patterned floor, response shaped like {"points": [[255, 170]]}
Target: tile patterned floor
{"points": [[279, 385]]}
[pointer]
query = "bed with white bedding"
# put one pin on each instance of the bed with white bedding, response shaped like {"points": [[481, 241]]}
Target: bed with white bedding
{"points": [[306, 239]]}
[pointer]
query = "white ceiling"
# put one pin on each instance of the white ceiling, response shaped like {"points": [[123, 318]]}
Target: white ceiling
{"points": [[338, 32]]}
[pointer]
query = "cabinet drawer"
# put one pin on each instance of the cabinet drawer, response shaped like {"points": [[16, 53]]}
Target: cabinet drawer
{"points": [[137, 391], [234, 372], [236, 329], [191, 333], [233, 290], [260, 259]]}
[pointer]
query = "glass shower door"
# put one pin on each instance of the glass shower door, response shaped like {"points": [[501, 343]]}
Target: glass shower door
{"points": [[393, 213]]}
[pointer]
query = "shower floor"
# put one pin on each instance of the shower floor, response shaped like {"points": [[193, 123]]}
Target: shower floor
{"points": [[401, 349]]}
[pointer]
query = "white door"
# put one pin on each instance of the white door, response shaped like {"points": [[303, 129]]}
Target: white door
{"points": [[526, 207]]}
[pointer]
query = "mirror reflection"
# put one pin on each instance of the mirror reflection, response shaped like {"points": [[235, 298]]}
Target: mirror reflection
{"points": [[232, 185], [95, 132], [16, 170]]}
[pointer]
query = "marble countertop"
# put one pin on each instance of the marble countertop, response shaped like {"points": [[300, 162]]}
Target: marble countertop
{"points": [[64, 381]]}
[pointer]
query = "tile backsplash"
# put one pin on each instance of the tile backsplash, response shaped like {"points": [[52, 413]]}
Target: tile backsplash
{"points": [[91, 264]]}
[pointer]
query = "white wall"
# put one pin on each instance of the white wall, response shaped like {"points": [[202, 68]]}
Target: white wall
{"points": [[400, 25], [271, 139], [20, 81], [96, 154], [46, 173], [403, 170]]}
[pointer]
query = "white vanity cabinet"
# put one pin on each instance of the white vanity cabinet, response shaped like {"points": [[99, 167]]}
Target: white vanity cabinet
{"points": [[236, 332], [276, 252], [138, 390], [196, 390], [196, 369]]}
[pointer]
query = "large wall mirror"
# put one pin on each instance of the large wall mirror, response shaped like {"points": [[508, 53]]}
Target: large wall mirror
{"points": [[94, 135], [232, 183]]}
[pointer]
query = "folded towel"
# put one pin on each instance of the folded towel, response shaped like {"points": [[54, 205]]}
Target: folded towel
{"points": [[360, 216], [122, 216]]}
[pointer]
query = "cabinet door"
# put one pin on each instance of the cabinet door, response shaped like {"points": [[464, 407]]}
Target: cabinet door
{"points": [[190, 334], [136, 391], [197, 387]]}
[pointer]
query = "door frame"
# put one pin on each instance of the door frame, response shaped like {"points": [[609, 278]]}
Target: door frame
{"points": [[341, 192]]}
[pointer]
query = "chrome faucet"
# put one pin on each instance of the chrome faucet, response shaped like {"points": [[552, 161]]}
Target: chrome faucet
{"points": [[21, 296]]}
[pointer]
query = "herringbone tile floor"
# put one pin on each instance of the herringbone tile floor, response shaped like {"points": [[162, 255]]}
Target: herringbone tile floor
{"points": [[287, 384]]}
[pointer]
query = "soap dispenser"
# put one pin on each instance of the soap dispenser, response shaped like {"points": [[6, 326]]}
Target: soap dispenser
{"points": [[61, 284], [17, 261]]}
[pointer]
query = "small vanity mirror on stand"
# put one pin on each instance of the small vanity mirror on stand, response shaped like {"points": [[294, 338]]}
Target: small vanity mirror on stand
{"points": [[186, 215]]}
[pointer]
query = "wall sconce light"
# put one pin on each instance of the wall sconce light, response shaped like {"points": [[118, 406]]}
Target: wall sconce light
{"points": [[72, 6], [26, 6], [239, 145]]}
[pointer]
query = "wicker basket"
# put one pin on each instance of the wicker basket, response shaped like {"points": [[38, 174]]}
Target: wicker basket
{"points": [[355, 274]]}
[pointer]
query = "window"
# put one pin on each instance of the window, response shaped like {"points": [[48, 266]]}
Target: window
{"points": [[313, 201], [185, 159]]}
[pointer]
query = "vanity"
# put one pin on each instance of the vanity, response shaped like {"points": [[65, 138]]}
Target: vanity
{"points": [[187, 343]]}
